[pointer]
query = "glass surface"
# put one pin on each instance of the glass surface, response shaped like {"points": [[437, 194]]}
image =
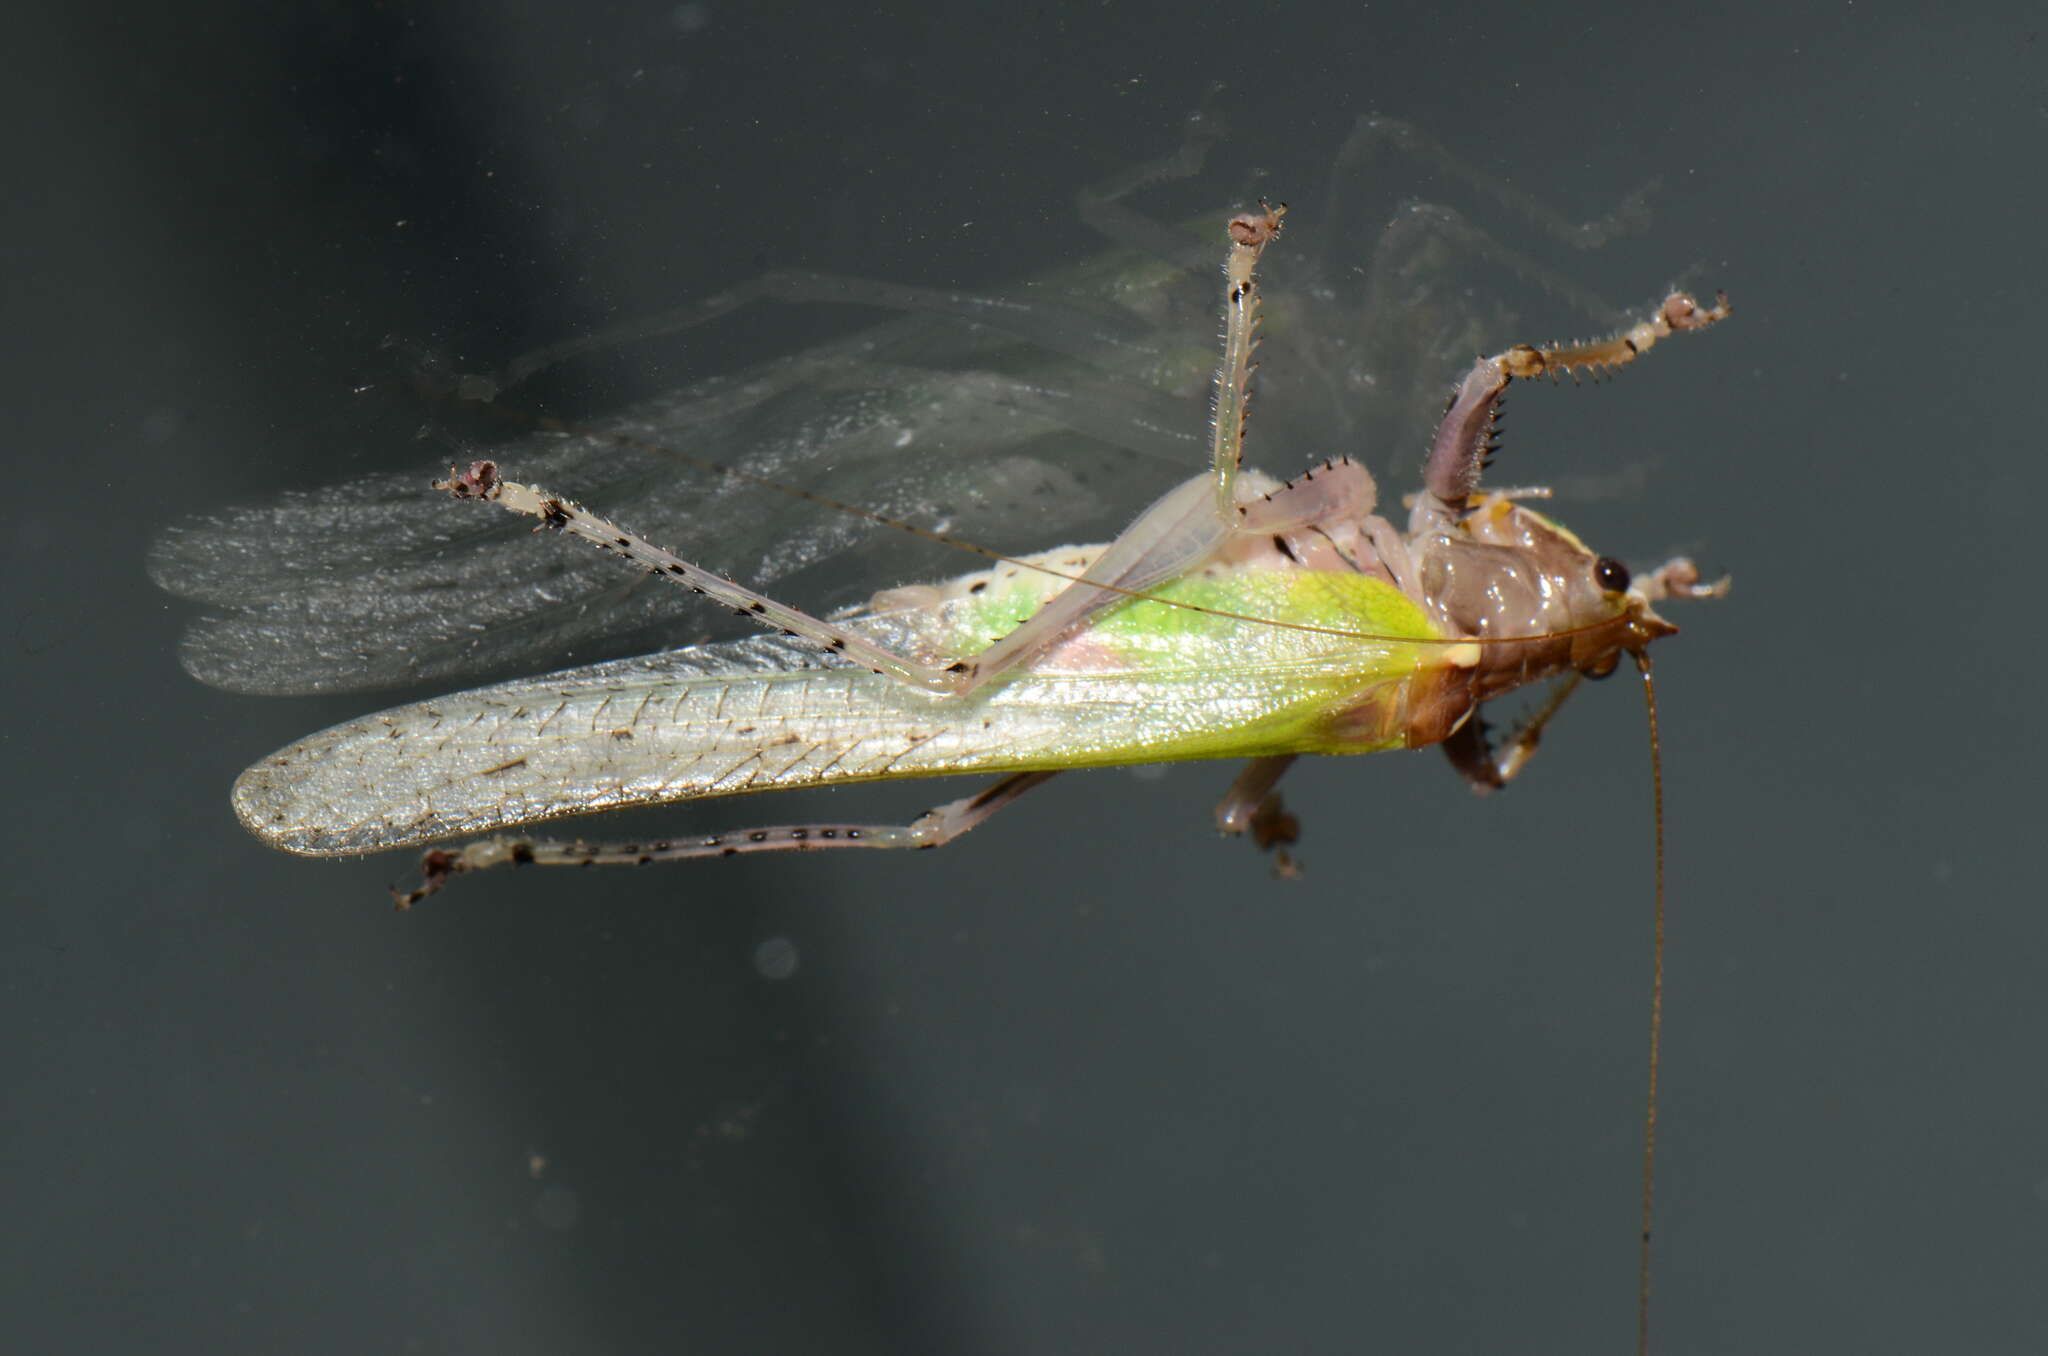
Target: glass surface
{"points": [[1087, 1080]]}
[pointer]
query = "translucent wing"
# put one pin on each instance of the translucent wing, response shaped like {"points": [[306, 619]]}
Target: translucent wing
{"points": [[983, 430]]}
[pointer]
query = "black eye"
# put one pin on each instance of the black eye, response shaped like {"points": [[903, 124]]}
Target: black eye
{"points": [[1610, 574]]}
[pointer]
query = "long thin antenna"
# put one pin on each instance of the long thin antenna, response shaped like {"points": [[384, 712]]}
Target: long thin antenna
{"points": [[1642, 659]]}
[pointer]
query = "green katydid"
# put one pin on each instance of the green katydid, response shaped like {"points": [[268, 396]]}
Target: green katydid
{"points": [[1236, 617]]}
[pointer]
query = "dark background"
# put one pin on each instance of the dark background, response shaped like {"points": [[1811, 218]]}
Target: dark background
{"points": [[1086, 1080]]}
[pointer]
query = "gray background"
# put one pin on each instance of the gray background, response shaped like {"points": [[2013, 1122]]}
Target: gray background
{"points": [[1087, 1080]]}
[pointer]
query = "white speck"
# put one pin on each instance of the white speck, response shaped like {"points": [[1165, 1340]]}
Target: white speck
{"points": [[906, 437], [775, 958]]}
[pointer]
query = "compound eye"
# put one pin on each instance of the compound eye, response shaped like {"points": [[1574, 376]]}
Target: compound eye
{"points": [[1610, 574]]}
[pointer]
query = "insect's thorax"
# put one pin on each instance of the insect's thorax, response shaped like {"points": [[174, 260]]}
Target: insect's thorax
{"points": [[1504, 570], [1501, 571]]}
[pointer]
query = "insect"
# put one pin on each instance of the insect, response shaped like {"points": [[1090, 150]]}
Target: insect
{"points": [[1237, 616]]}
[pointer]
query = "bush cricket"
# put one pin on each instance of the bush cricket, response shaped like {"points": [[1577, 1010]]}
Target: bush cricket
{"points": [[1237, 616]]}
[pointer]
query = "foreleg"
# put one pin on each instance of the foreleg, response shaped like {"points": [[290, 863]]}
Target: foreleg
{"points": [[1464, 437]]}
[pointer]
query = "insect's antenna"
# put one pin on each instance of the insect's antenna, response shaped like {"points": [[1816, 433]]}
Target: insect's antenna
{"points": [[1642, 659]]}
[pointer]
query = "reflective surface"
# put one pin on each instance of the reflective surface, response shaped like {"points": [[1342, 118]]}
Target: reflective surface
{"points": [[1088, 1079]]}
